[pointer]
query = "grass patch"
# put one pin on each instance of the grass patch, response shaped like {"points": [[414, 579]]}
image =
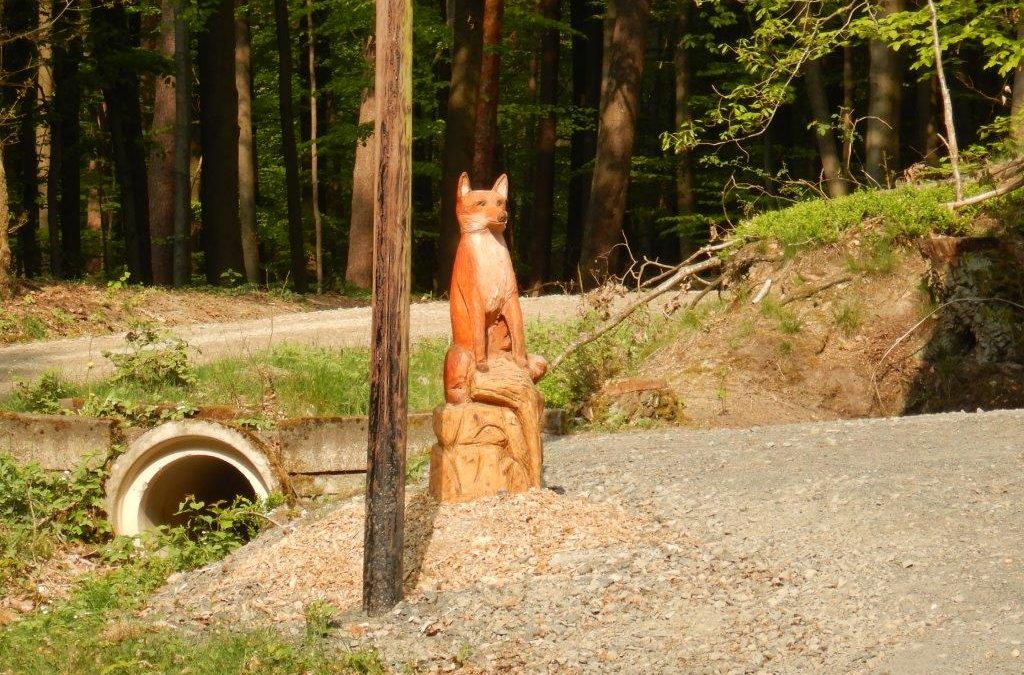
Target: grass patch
{"points": [[788, 322], [849, 318], [94, 632], [905, 213]]}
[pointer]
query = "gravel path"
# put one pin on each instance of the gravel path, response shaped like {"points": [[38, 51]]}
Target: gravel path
{"points": [[333, 328], [865, 546]]}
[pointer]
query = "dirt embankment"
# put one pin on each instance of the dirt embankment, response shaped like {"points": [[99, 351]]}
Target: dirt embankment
{"points": [[856, 330]]}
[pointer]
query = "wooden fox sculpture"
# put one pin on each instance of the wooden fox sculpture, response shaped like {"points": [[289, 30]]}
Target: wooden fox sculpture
{"points": [[487, 321]]}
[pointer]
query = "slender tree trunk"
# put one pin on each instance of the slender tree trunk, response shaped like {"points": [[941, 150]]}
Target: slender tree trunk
{"points": [[182, 149], [1017, 105], [65, 162], [246, 149], [620, 96], [884, 93], [848, 91], [314, 160], [947, 104], [466, 18], [218, 121], [547, 136], [115, 33], [587, 51], [359, 271], [831, 164], [161, 157], [44, 84], [289, 149], [686, 200], [7, 281], [485, 148]]}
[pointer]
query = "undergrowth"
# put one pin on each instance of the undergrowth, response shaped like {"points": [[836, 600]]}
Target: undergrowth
{"points": [[904, 213], [95, 629]]}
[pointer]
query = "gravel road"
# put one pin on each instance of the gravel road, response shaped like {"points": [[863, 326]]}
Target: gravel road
{"points": [[333, 328], [893, 545]]}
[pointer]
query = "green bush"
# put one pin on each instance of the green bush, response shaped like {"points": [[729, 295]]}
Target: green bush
{"points": [[152, 358], [905, 213], [41, 396], [41, 509]]}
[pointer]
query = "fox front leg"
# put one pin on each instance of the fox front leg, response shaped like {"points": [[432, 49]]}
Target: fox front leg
{"points": [[513, 314]]}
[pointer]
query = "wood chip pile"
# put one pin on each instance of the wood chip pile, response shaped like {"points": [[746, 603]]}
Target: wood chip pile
{"points": [[319, 557]]}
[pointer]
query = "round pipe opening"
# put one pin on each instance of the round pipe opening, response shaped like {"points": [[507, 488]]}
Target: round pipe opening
{"points": [[205, 478], [178, 460]]}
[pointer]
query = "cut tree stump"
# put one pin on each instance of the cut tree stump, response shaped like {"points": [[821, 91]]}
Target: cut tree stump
{"points": [[492, 443]]}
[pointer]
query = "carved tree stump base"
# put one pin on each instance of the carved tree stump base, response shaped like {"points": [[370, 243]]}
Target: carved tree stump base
{"points": [[484, 449]]}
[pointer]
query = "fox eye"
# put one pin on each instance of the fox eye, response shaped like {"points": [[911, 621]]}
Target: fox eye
{"points": [[501, 202], [481, 203]]}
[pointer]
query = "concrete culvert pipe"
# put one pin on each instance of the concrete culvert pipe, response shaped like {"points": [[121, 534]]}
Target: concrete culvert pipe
{"points": [[177, 459]]}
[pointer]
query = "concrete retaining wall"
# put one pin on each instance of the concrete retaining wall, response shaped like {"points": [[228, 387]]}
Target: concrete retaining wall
{"points": [[321, 456]]}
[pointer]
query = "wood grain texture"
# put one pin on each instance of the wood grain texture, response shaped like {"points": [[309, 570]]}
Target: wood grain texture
{"points": [[389, 367]]}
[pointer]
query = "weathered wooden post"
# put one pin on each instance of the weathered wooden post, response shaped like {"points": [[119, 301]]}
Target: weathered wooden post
{"points": [[389, 367]]}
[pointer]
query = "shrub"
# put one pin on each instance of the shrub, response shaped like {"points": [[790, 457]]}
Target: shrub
{"points": [[152, 357]]}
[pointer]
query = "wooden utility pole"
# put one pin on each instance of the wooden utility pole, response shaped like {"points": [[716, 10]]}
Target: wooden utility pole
{"points": [[389, 358]]}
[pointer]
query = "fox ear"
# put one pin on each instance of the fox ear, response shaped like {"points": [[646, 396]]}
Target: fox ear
{"points": [[464, 187], [501, 186]]}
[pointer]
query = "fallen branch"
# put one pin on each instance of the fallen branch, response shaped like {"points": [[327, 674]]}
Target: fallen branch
{"points": [[680, 274], [813, 289], [1000, 190], [707, 289]]}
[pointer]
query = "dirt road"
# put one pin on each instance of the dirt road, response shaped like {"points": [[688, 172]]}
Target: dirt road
{"points": [[333, 328]]}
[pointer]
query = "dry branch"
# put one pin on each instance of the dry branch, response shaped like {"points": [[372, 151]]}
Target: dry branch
{"points": [[679, 275], [813, 289]]}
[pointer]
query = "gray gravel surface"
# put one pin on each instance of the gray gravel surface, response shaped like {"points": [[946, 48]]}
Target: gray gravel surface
{"points": [[331, 328], [893, 545]]}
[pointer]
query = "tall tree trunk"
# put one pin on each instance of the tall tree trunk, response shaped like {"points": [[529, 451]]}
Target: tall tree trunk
{"points": [[64, 190], [115, 34], [881, 140], [7, 282], [182, 148], [547, 136], [831, 164], [289, 149], [620, 95], [314, 160], [686, 200], [44, 84], [485, 145], [1017, 105], [218, 122], [359, 270], [587, 52], [246, 149], [467, 43], [161, 157], [20, 18]]}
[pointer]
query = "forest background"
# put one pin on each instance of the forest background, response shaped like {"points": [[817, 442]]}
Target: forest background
{"points": [[224, 141]]}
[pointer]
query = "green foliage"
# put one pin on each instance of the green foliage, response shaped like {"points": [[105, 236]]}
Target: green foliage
{"points": [[211, 531], [904, 213], [152, 357], [40, 509], [42, 395]]}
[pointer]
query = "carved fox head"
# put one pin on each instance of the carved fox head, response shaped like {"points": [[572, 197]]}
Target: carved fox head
{"points": [[478, 210]]}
